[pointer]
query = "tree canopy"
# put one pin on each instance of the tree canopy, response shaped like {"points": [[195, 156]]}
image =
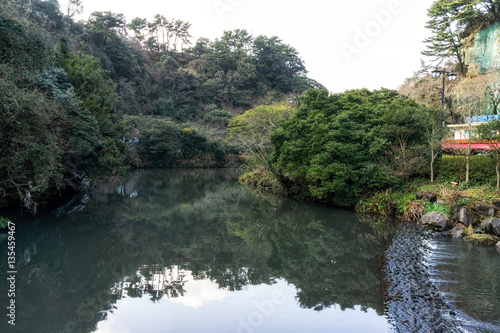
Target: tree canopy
{"points": [[338, 146]]}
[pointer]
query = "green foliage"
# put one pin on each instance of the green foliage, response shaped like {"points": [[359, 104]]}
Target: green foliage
{"points": [[4, 222], [164, 107], [490, 132], [218, 117], [32, 143], [435, 207], [252, 130], [451, 22], [277, 62], [111, 158], [445, 40], [161, 142], [87, 74], [452, 168], [336, 147], [91, 86], [22, 45], [47, 14]]}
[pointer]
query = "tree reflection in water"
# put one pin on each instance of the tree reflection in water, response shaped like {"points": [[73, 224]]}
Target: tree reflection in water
{"points": [[154, 231]]}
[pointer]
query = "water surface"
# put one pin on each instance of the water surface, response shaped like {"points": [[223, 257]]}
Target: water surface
{"points": [[469, 276], [193, 251]]}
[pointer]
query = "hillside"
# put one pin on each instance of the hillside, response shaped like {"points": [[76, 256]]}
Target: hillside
{"points": [[83, 99]]}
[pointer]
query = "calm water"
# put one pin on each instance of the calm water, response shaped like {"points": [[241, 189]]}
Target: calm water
{"points": [[193, 251]]}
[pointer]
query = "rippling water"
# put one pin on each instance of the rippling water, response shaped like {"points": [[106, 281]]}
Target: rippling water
{"points": [[469, 276]]}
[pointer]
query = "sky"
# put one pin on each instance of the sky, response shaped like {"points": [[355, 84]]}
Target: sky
{"points": [[344, 44]]}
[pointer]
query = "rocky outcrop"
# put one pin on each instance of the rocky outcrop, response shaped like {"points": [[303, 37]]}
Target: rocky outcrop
{"points": [[457, 231], [436, 221], [491, 226], [463, 216], [485, 210]]}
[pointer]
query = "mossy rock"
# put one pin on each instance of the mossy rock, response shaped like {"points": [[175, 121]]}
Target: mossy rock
{"points": [[483, 239]]}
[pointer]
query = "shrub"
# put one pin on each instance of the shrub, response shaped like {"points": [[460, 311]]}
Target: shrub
{"points": [[452, 168], [218, 117]]}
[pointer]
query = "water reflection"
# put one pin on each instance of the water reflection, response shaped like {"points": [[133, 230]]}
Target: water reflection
{"points": [[195, 238]]}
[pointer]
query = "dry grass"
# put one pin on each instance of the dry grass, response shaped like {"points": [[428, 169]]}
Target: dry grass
{"points": [[449, 194], [414, 211]]}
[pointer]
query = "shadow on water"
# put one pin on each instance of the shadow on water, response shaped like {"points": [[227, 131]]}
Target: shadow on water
{"points": [[142, 234]]}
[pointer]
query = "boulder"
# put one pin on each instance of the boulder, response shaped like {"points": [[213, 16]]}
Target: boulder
{"points": [[495, 226], [464, 217], [432, 197], [485, 210], [498, 245], [436, 221], [489, 226], [496, 204], [457, 231]]}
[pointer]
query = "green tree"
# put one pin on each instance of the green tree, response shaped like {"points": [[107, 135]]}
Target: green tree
{"points": [[23, 45], [252, 130], [445, 41], [90, 81], [138, 25], [337, 147], [75, 7], [434, 133], [276, 62], [32, 131], [404, 124]]}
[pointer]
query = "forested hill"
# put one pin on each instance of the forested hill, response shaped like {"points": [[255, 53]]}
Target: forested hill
{"points": [[89, 98]]}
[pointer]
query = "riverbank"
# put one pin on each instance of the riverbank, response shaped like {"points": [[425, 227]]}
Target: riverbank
{"points": [[466, 206], [470, 212]]}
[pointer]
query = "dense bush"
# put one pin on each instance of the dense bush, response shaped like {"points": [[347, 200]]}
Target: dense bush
{"points": [[337, 147], [32, 128], [452, 168], [22, 45]]}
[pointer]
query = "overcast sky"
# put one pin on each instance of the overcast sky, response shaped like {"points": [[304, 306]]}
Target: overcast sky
{"points": [[344, 44]]}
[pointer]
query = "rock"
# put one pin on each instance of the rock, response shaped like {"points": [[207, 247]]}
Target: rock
{"points": [[432, 197], [498, 245], [495, 226], [441, 202], [485, 210], [464, 217], [457, 231], [487, 225], [436, 221], [496, 204], [419, 196]]}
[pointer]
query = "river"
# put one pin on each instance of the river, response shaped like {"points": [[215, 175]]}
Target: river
{"points": [[195, 251]]}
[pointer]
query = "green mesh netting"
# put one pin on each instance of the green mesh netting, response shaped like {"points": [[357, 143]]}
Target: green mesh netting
{"points": [[485, 53]]}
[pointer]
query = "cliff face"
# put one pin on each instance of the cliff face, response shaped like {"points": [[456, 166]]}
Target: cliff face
{"points": [[484, 55]]}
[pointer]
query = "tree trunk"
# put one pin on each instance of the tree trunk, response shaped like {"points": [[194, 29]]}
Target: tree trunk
{"points": [[467, 157], [432, 165], [498, 171]]}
